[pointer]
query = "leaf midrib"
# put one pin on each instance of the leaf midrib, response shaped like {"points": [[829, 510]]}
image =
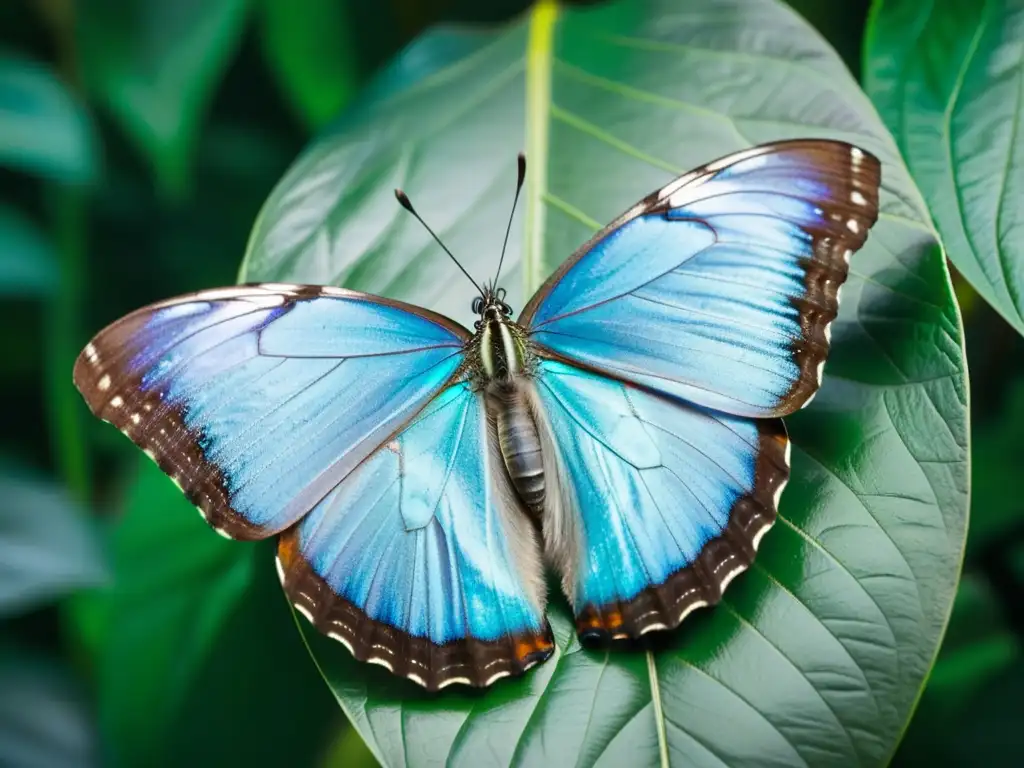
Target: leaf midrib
{"points": [[539, 64], [539, 58]]}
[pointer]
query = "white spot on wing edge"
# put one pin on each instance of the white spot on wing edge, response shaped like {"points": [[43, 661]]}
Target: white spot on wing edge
{"points": [[656, 626], [280, 569], [305, 612], [417, 679], [755, 542], [690, 609], [857, 198], [530, 664], [778, 495], [819, 374], [340, 639], [378, 660], [90, 353], [221, 532], [727, 579], [497, 676], [782, 486], [104, 383], [116, 401], [453, 681]]}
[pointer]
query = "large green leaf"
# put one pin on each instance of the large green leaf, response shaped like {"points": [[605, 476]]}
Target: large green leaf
{"points": [[948, 79], [155, 66], [43, 129], [817, 655]]}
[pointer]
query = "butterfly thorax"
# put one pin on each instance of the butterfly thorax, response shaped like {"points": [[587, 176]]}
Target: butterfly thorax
{"points": [[503, 353], [504, 364]]}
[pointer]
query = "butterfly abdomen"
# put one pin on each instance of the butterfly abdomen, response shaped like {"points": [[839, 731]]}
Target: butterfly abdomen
{"points": [[520, 443]]}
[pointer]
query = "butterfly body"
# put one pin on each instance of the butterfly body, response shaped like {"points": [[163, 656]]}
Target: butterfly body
{"points": [[500, 351], [624, 430]]}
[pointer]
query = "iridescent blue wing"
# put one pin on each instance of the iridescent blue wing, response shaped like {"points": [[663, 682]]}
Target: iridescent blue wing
{"points": [[661, 503], [720, 287], [421, 559], [341, 420], [259, 399]]}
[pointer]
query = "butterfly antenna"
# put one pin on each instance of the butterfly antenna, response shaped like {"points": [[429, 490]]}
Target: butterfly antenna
{"points": [[404, 200], [508, 229]]}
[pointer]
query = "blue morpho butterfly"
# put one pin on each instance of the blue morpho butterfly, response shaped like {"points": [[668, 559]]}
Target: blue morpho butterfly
{"points": [[625, 430]]}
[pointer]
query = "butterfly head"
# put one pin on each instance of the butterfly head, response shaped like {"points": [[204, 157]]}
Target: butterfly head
{"points": [[491, 306], [499, 341]]}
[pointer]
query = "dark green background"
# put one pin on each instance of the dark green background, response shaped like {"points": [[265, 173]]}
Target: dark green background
{"points": [[127, 216]]}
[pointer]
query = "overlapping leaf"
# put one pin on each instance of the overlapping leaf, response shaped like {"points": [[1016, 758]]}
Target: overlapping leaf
{"points": [[818, 653], [948, 79]]}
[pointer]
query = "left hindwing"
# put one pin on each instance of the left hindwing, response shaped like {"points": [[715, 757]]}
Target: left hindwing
{"points": [[661, 503], [421, 559], [720, 287]]}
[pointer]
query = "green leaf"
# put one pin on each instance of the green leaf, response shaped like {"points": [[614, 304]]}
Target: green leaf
{"points": [[47, 546], [43, 129], [193, 646], [28, 265], [817, 655], [44, 717], [948, 79], [308, 45], [155, 65]]}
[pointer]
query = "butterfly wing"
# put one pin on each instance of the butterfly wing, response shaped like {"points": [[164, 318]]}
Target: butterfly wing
{"points": [[720, 287], [421, 559], [661, 504], [339, 419], [258, 399]]}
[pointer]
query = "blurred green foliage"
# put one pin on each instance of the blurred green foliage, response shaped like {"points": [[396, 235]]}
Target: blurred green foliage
{"points": [[138, 140]]}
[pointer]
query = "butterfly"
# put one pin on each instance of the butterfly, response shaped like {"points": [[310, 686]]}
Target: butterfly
{"points": [[625, 431]]}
